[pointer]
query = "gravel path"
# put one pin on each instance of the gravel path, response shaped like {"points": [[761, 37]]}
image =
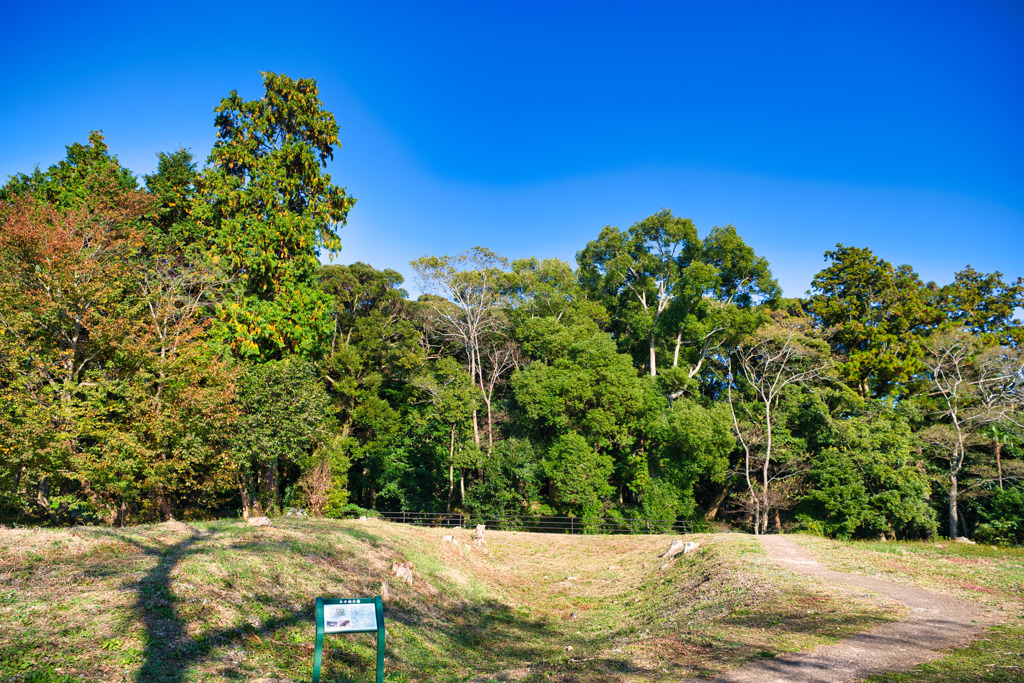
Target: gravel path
{"points": [[936, 622]]}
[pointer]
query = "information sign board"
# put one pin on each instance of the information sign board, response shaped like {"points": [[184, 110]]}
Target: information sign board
{"points": [[349, 615]]}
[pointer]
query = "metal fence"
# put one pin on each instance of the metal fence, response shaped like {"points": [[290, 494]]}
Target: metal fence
{"points": [[551, 524]]}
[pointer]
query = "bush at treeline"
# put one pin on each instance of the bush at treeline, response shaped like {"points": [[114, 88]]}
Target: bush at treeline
{"points": [[174, 348]]}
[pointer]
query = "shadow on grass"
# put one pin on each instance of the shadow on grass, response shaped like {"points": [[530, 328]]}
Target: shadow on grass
{"points": [[170, 651], [453, 640], [479, 641], [784, 619]]}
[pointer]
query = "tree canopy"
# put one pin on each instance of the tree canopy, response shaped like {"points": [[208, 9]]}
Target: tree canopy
{"points": [[177, 349]]}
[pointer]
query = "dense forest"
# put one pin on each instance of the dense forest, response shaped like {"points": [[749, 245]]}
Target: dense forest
{"points": [[173, 347]]}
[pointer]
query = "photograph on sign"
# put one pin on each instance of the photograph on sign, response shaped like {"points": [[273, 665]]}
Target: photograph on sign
{"points": [[350, 617]]}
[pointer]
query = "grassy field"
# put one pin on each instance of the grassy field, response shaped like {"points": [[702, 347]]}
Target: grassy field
{"points": [[222, 601]]}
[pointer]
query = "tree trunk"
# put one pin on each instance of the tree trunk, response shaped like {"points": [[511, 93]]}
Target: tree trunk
{"points": [[243, 489], [451, 469], [271, 488], [757, 515], [716, 504], [654, 363], [999, 465], [162, 504], [121, 515], [490, 429], [765, 503], [43, 498], [767, 464], [755, 500], [476, 429], [954, 515]]}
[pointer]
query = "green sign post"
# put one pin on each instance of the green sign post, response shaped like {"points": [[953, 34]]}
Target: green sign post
{"points": [[353, 615]]}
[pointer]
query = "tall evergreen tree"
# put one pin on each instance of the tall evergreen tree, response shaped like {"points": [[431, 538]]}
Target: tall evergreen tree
{"points": [[269, 208]]}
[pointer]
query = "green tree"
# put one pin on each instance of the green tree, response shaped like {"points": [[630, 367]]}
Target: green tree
{"points": [[373, 341], [580, 475], [510, 480], [723, 298], [636, 273], [769, 364], [268, 207], [578, 384], [549, 288], [374, 350], [877, 317], [89, 179], [985, 305], [666, 289], [452, 401], [468, 298], [696, 443], [284, 421], [173, 188], [69, 248], [973, 385], [867, 484], [1004, 518], [183, 389], [120, 405], [1001, 434]]}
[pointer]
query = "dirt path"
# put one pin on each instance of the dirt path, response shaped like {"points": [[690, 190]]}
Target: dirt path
{"points": [[936, 622]]}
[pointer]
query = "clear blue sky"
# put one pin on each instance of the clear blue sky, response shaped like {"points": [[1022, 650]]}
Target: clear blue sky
{"points": [[527, 127]]}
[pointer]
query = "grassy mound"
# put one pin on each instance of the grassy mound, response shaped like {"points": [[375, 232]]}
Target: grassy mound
{"points": [[223, 601]]}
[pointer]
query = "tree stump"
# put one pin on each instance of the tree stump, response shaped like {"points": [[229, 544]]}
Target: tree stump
{"points": [[674, 549], [403, 570]]}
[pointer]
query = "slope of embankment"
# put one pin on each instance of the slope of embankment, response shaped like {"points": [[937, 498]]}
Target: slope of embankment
{"points": [[223, 601]]}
